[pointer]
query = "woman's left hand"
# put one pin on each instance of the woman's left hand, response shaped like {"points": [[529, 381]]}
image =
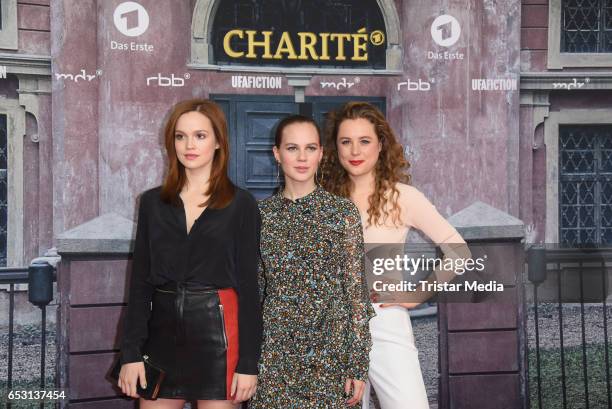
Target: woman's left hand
{"points": [[243, 387], [408, 305], [358, 387]]}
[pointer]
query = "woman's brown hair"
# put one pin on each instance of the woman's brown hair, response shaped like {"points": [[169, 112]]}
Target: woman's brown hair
{"points": [[290, 120], [390, 168], [220, 189]]}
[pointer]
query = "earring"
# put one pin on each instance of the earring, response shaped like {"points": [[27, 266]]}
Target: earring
{"points": [[278, 173]]}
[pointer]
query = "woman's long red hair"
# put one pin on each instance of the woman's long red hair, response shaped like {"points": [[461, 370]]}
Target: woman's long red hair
{"points": [[220, 188], [391, 168]]}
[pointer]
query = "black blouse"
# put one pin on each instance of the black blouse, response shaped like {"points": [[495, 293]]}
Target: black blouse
{"points": [[221, 250]]}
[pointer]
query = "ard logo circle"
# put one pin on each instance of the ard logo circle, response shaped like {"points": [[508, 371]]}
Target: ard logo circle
{"points": [[131, 19], [445, 30], [377, 37]]}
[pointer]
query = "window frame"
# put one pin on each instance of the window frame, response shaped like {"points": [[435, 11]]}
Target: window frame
{"points": [[8, 32], [15, 132], [560, 60], [551, 140], [596, 176]]}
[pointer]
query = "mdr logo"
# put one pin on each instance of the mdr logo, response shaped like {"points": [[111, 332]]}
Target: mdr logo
{"points": [[131, 19]]}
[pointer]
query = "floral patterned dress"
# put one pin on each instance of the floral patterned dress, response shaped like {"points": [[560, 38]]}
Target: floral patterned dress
{"points": [[316, 306]]}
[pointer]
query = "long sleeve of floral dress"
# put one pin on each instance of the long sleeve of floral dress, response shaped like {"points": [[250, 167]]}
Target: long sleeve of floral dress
{"points": [[261, 280], [316, 305], [357, 296]]}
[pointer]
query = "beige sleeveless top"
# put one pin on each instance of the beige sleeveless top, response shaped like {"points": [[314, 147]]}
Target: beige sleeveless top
{"points": [[416, 212]]}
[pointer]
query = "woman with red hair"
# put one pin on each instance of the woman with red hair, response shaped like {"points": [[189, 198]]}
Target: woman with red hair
{"points": [[365, 162], [194, 308]]}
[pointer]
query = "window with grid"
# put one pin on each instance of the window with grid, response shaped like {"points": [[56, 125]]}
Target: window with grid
{"points": [[586, 26], [585, 185]]}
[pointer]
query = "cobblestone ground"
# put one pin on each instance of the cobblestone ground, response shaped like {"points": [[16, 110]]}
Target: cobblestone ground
{"points": [[26, 362], [26, 353], [571, 318]]}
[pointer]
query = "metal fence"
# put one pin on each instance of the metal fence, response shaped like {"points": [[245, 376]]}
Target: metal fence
{"points": [[40, 279], [570, 317]]}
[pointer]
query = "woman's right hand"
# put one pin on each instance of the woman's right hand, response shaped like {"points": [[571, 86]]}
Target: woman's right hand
{"points": [[130, 374]]}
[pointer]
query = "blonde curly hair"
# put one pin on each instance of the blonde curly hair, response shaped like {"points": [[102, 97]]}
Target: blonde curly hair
{"points": [[390, 169]]}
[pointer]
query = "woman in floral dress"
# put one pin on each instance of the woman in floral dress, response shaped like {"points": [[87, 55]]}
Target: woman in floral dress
{"points": [[315, 302]]}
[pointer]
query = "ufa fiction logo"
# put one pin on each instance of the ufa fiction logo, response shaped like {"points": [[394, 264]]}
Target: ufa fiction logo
{"points": [[494, 84], [259, 81]]}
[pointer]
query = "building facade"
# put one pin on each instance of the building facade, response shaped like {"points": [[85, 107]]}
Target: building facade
{"points": [[566, 67], [448, 87], [506, 103]]}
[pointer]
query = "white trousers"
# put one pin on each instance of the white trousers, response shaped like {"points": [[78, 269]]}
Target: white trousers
{"points": [[394, 372]]}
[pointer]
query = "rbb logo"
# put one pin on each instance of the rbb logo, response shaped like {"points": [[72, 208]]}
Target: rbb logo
{"points": [[171, 81], [131, 19], [445, 30], [414, 85]]}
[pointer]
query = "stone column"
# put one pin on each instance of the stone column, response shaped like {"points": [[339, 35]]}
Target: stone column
{"points": [[482, 348], [92, 278]]}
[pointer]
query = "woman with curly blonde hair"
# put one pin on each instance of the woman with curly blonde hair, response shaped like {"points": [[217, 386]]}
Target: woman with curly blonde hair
{"points": [[365, 162]]}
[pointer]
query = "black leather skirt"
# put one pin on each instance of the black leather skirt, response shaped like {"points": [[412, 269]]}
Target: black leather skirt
{"points": [[193, 336]]}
